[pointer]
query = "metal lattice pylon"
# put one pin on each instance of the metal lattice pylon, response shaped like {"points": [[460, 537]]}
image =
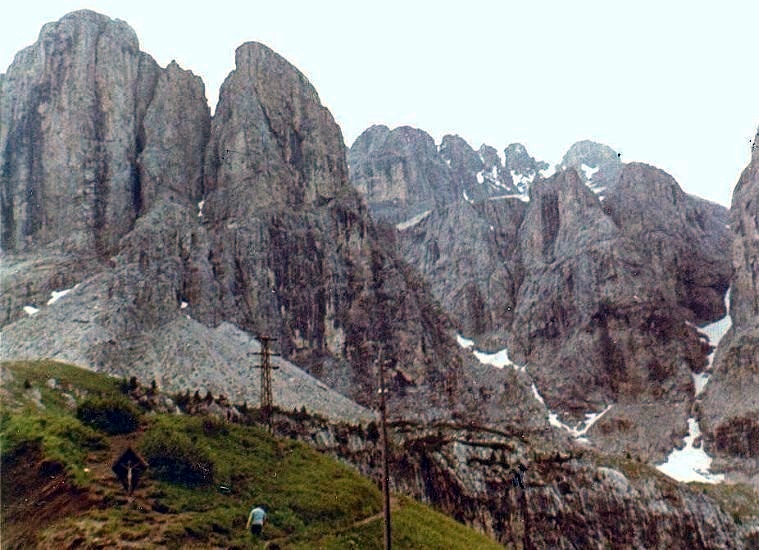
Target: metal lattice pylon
{"points": [[267, 402]]}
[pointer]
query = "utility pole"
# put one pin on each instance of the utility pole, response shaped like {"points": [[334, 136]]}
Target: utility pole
{"points": [[385, 456], [267, 403]]}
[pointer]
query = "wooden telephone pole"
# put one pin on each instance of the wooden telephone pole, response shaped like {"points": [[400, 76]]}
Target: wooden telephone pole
{"points": [[385, 456], [267, 403]]}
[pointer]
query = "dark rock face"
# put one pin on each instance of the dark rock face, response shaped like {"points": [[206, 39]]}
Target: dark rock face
{"points": [[188, 223], [400, 172], [73, 107], [602, 311], [730, 408], [592, 283], [567, 499], [470, 254]]}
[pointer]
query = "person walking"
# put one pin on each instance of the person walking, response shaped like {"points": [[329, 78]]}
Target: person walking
{"points": [[256, 520]]}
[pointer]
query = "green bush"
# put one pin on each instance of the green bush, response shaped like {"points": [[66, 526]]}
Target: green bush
{"points": [[214, 426], [112, 415], [173, 457]]}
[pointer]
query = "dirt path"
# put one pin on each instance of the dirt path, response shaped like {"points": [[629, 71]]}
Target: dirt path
{"points": [[394, 507]]}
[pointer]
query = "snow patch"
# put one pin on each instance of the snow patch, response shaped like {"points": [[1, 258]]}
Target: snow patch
{"points": [[588, 170], [200, 208], [522, 181], [412, 221], [465, 343], [577, 432], [537, 395], [30, 310], [699, 381], [498, 359], [717, 330], [56, 295], [547, 172], [466, 197], [690, 463], [712, 333], [481, 176], [183, 305], [521, 197]]}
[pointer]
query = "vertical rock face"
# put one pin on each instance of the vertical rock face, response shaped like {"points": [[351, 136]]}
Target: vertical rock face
{"points": [[115, 177], [94, 136], [730, 408], [595, 281], [682, 237], [601, 313], [470, 254], [295, 254], [279, 146], [400, 172], [72, 107]]}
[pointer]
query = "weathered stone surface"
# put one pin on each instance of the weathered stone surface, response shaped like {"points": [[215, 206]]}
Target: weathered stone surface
{"points": [[683, 238], [730, 408], [570, 498], [597, 290], [469, 252], [598, 324], [400, 173], [598, 165], [247, 219], [72, 107]]}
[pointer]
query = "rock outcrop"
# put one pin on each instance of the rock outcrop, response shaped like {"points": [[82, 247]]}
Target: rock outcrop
{"points": [[602, 316], [596, 281], [171, 224], [400, 173], [562, 498], [597, 164], [73, 106], [730, 408]]}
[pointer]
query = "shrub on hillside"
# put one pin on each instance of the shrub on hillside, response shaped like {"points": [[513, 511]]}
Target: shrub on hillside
{"points": [[110, 415], [173, 457], [214, 426]]}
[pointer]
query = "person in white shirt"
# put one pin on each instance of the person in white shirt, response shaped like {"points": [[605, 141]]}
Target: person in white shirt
{"points": [[256, 520]]}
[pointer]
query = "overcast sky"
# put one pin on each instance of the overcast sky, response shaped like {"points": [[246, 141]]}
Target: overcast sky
{"points": [[672, 84]]}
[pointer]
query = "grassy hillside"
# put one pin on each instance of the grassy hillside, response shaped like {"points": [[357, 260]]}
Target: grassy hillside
{"points": [[58, 488]]}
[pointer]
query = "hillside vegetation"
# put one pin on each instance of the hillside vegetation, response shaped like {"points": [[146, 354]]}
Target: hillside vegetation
{"points": [[58, 489]]}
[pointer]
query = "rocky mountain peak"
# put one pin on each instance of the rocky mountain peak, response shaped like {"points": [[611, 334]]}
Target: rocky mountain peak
{"points": [[517, 159], [72, 107], [400, 172], [271, 139], [597, 164]]}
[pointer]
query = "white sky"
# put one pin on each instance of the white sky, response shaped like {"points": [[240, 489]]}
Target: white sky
{"points": [[669, 83]]}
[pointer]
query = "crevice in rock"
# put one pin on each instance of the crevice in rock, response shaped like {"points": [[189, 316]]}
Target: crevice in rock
{"points": [[100, 185]]}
